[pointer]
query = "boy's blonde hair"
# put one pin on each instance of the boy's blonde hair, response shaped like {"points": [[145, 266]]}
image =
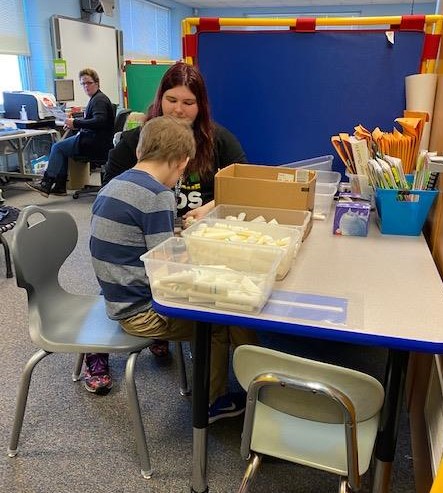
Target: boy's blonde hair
{"points": [[166, 139]]}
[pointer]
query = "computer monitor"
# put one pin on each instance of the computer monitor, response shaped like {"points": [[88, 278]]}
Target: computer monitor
{"points": [[64, 90]]}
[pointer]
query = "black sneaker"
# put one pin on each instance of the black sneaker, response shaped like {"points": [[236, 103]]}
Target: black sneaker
{"points": [[59, 191], [43, 187], [60, 186], [227, 406]]}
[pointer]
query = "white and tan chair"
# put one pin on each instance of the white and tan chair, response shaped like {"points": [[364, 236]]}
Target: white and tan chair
{"points": [[307, 412]]}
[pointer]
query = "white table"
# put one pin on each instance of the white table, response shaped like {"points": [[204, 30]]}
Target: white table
{"points": [[19, 143], [383, 291]]}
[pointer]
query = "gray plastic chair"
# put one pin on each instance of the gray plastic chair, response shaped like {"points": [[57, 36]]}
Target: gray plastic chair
{"points": [[61, 322], [307, 412]]}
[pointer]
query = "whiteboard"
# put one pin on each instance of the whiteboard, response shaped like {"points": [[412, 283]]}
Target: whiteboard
{"points": [[87, 45]]}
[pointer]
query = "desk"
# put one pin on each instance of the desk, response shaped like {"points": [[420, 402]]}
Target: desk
{"points": [[19, 143], [34, 124], [390, 293]]}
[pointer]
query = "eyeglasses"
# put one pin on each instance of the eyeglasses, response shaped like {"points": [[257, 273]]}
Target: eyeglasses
{"points": [[87, 83]]}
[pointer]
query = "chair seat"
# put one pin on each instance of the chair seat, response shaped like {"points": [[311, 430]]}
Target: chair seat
{"points": [[311, 443], [79, 323]]}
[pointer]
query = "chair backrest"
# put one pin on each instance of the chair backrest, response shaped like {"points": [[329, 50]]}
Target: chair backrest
{"points": [[42, 241], [365, 392], [120, 119]]}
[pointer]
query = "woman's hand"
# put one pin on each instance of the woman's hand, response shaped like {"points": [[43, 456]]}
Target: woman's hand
{"points": [[69, 123], [196, 214]]}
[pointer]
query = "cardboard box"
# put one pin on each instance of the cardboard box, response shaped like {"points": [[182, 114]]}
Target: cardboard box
{"points": [[351, 216], [264, 186]]}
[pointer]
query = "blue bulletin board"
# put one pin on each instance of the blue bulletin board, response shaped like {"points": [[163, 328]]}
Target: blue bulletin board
{"points": [[284, 86], [285, 93]]}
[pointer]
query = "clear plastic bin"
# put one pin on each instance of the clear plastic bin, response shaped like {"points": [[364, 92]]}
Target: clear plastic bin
{"points": [[318, 163], [230, 253], [175, 276], [360, 185], [324, 197], [285, 217], [333, 177]]}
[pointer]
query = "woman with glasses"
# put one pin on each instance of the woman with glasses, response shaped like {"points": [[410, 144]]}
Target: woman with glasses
{"points": [[93, 139]]}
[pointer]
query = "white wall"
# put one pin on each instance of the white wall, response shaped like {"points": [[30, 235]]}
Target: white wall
{"points": [[39, 12]]}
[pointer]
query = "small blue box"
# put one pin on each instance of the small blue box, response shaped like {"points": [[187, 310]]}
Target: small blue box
{"points": [[351, 215]]}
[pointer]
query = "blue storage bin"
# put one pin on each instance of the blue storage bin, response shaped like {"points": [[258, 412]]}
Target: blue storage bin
{"points": [[397, 215]]}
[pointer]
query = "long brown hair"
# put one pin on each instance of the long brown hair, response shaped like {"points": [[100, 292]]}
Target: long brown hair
{"points": [[182, 74]]}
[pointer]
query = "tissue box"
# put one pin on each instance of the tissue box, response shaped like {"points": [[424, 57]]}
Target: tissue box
{"points": [[351, 216]]}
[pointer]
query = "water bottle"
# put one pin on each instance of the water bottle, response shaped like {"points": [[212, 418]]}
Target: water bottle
{"points": [[23, 113]]}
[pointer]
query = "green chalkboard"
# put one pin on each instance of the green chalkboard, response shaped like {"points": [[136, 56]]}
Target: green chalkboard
{"points": [[142, 80]]}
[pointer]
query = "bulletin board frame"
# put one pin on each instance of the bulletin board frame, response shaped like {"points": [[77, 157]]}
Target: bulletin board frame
{"points": [[274, 110], [140, 80]]}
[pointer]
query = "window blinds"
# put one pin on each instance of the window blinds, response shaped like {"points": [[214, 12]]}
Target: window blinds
{"points": [[146, 30], [13, 36]]}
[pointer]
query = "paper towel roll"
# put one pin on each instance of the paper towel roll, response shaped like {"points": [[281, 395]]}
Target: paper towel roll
{"points": [[436, 140], [420, 96]]}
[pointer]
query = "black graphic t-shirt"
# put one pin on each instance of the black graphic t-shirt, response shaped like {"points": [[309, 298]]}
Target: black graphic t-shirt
{"points": [[192, 193]]}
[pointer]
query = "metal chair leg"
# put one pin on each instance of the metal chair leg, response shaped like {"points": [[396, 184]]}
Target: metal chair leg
{"points": [[22, 398], [250, 472], [7, 256], [343, 486], [76, 374], [184, 387], [134, 408]]}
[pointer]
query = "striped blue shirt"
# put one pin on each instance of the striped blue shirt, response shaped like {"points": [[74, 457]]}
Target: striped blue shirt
{"points": [[131, 214]]}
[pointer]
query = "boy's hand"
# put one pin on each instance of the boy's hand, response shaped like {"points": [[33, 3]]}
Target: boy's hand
{"points": [[196, 214]]}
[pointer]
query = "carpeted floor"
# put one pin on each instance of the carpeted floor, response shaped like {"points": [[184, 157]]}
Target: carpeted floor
{"points": [[74, 442]]}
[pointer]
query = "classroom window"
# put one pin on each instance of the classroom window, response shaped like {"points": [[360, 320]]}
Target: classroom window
{"points": [[13, 36], [10, 70], [146, 30]]}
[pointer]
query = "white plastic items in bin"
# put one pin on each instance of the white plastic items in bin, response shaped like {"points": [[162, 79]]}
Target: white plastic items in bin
{"points": [[177, 276], [317, 163], [222, 242], [284, 217], [324, 197]]}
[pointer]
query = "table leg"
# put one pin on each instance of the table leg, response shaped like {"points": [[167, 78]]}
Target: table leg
{"points": [[389, 419], [200, 402], [21, 156]]}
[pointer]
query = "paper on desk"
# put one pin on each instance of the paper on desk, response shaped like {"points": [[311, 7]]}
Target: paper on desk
{"points": [[413, 128], [58, 113], [6, 124]]}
